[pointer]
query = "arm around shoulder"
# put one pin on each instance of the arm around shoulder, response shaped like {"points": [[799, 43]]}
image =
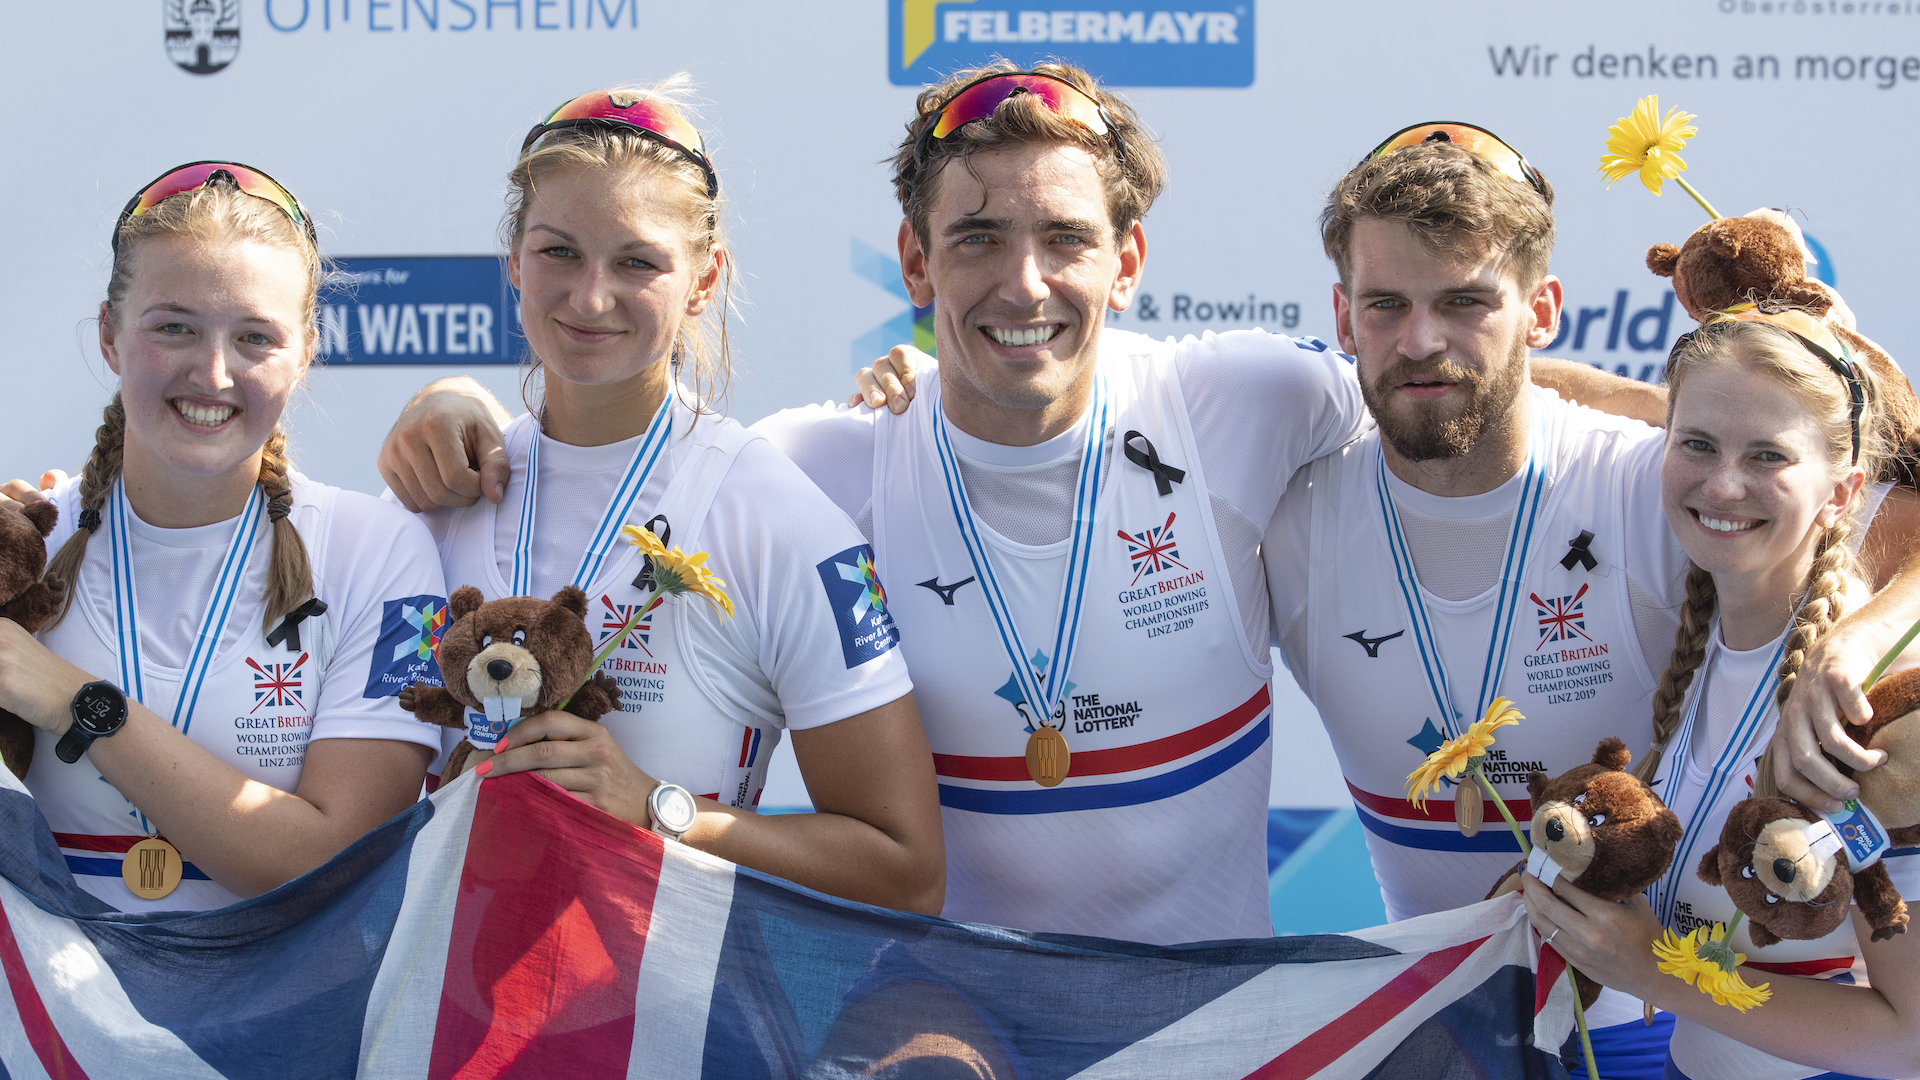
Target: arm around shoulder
{"points": [[1584, 384]]}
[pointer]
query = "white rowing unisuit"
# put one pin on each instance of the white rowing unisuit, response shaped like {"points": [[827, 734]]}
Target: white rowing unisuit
{"points": [[1709, 769], [1158, 832], [260, 704], [703, 700]]}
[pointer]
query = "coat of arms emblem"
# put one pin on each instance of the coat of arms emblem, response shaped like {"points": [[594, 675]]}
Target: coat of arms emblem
{"points": [[203, 36]]}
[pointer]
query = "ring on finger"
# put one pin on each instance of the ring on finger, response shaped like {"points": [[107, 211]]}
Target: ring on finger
{"points": [[1555, 934]]}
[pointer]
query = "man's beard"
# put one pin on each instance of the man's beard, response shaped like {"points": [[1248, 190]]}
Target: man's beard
{"points": [[1423, 431]]}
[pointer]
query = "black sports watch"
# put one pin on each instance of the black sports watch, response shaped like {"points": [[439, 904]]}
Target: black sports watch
{"points": [[99, 710]]}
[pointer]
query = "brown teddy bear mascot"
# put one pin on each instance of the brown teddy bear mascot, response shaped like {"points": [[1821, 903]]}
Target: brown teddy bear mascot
{"points": [[507, 659], [1604, 830], [31, 601], [1737, 260]]}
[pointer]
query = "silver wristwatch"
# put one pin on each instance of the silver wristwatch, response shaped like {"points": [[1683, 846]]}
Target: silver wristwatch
{"points": [[672, 808]]}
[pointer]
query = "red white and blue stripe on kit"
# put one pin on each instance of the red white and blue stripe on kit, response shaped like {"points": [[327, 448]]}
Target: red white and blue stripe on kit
{"points": [[505, 929], [1153, 770]]}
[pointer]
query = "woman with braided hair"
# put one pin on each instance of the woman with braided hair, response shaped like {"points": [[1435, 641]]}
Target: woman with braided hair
{"points": [[1772, 431], [232, 636]]}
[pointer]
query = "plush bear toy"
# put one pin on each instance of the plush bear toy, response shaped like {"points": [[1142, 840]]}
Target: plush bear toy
{"points": [[1892, 791], [507, 659], [1762, 256], [1788, 888], [30, 601], [1603, 828]]}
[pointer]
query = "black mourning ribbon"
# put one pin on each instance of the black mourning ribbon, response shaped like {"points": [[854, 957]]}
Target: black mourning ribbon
{"points": [[1577, 552], [1164, 475], [645, 578], [289, 628]]}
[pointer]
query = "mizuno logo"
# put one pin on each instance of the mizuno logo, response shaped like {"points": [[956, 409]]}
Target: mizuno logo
{"points": [[1371, 644], [946, 591]]}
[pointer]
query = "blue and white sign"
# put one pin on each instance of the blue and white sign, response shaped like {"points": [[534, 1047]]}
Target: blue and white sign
{"points": [[1211, 45], [450, 309]]}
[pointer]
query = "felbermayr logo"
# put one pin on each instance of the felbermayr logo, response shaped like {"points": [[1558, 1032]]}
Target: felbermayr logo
{"points": [[1147, 46]]}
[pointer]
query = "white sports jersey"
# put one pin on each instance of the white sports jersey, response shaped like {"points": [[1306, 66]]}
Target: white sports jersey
{"points": [[260, 704], [703, 699], [1157, 834], [1571, 659], [1701, 783]]}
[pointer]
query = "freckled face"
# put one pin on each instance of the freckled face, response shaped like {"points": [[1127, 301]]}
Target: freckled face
{"points": [[209, 342], [606, 273], [1746, 479]]}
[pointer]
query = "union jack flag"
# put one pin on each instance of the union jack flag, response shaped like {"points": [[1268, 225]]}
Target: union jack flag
{"points": [[1561, 617], [1153, 551], [277, 686], [616, 617]]}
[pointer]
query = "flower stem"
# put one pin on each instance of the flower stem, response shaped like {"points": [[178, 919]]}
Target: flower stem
{"points": [[1500, 804], [1580, 1020], [612, 644], [1734, 924], [1899, 647], [1697, 197]]}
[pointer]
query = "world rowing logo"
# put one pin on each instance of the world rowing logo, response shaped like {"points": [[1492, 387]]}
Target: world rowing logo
{"points": [[277, 686], [616, 617], [1153, 551], [1562, 618]]}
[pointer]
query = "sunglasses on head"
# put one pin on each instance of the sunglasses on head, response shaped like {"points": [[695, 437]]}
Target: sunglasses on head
{"points": [[978, 99], [652, 118], [198, 174], [1816, 336], [1477, 141]]}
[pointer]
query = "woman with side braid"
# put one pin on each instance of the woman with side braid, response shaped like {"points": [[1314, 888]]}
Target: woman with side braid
{"points": [[232, 635], [1772, 430]]}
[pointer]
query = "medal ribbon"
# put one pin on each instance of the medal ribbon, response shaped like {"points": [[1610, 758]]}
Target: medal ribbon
{"points": [[632, 482], [1043, 694], [1526, 514], [226, 588], [1753, 719]]}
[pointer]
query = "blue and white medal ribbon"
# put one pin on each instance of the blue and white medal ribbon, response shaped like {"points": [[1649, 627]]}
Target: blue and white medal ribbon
{"points": [[1526, 515], [1753, 719], [226, 589], [1042, 692], [126, 617], [632, 482]]}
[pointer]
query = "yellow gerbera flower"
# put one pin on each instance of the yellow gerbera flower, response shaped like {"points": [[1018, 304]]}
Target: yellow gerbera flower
{"points": [[1642, 142], [677, 572], [1455, 756], [1703, 960]]}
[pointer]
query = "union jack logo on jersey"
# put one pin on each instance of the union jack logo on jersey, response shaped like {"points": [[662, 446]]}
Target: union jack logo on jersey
{"points": [[616, 617], [1153, 551], [277, 686], [1561, 618]]}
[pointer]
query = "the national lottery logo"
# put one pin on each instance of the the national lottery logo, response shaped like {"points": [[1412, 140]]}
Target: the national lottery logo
{"points": [[277, 686], [615, 616], [410, 632], [203, 36], [859, 604], [1153, 551], [1562, 618]]}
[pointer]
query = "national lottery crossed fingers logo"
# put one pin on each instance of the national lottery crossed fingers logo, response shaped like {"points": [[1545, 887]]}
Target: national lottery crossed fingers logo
{"points": [[859, 604], [410, 632]]}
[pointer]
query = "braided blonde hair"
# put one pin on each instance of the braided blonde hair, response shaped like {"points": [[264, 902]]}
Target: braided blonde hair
{"points": [[1770, 351], [217, 210]]}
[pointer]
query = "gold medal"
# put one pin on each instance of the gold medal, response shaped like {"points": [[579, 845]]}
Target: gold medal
{"points": [[152, 869], [1047, 756]]}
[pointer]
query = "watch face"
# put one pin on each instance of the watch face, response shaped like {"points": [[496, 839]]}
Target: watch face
{"points": [[674, 808], [98, 708]]}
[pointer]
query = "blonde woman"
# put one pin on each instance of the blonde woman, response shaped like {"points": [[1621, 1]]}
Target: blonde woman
{"points": [[1772, 432], [233, 634]]}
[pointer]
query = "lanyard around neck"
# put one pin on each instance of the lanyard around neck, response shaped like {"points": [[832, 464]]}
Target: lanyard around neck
{"points": [[607, 533], [226, 589], [1040, 692], [1526, 515], [1753, 719]]}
